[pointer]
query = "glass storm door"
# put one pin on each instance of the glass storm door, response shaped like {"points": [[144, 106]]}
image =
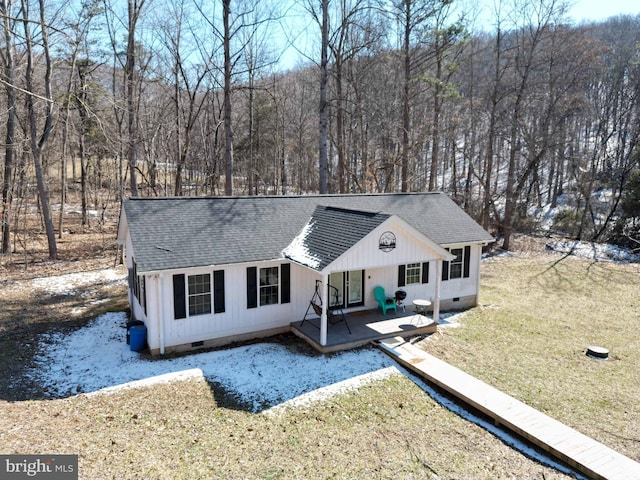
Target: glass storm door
{"points": [[355, 288], [346, 285], [336, 289]]}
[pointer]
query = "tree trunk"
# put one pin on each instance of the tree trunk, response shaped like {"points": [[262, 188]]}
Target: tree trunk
{"points": [[406, 113], [324, 79], [5, 214], [486, 203], [129, 70], [340, 123], [435, 140], [228, 133], [37, 145]]}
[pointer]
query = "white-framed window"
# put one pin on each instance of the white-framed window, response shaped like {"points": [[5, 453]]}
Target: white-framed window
{"points": [[413, 273], [199, 294], [269, 286], [460, 266], [455, 265]]}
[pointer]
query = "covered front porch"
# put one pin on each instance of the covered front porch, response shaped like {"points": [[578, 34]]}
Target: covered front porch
{"points": [[365, 326]]}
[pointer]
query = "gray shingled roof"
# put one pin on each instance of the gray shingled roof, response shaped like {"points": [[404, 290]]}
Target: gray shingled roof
{"points": [[184, 232], [332, 231]]}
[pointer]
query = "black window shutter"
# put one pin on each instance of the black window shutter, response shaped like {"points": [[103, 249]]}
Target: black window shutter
{"points": [[252, 287], [285, 282], [401, 275], [425, 272], [466, 260], [179, 298], [445, 270], [144, 294], [218, 291], [136, 281]]}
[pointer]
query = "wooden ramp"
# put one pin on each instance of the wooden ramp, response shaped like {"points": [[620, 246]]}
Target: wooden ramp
{"points": [[582, 453]]}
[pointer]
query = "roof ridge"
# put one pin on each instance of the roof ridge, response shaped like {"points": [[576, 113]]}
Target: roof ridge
{"points": [[314, 195]]}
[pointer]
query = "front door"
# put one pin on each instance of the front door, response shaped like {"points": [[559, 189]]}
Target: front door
{"points": [[346, 289]]}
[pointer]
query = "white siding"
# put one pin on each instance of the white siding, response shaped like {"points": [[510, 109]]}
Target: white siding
{"points": [[366, 254], [237, 318], [463, 287], [381, 268]]}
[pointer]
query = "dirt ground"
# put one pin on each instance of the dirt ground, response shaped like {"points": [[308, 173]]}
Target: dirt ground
{"points": [[26, 313]]}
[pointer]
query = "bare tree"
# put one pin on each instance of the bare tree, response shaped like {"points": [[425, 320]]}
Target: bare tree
{"points": [[538, 18], [78, 38], [38, 140], [413, 18], [188, 77], [134, 10], [323, 162], [8, 77]]}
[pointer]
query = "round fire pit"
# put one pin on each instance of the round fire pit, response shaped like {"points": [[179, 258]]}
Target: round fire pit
{"points": [[600, 353]]}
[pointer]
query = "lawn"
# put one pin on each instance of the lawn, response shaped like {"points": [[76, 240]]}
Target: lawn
{"points": [[528, 338]]}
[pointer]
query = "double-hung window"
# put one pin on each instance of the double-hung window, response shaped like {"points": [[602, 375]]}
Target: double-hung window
{"points": [[269, 286], [413, 273], [455, 265], [199, 294], [459, 267]]}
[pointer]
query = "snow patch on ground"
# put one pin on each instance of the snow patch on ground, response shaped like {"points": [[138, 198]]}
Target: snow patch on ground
{"points": [[263, 375], [595, 251], [270, 378], [70, 283]]}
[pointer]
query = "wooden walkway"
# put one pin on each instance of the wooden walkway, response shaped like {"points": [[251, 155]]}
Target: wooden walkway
{"points": [[582, 453]]}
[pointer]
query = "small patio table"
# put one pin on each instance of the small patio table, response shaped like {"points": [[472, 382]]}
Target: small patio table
{"points": [[421, 305]]}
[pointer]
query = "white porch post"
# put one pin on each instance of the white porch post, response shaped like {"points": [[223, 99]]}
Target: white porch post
{"points": [[436, 300], [324, 296]]}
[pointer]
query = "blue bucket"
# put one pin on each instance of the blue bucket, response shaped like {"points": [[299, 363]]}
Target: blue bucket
{"points": [[137, 337]]}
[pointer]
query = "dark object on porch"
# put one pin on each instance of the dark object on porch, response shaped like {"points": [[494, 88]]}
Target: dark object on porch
{"points": [[333, 318], [384, 302], [334, 314], [400, 296]]}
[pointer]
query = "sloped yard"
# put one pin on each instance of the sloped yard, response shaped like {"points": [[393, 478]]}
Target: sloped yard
{"points": [[529, 338], [278, 410]]}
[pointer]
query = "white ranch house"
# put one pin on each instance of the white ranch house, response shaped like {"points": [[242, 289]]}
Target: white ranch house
{"points": [[206, 271]]}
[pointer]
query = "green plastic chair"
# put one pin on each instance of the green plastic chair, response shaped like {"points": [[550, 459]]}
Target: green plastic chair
{"points": [[384, 302]]}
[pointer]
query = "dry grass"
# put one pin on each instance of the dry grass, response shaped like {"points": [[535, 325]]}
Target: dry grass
{"points": [[530, 336], [389, 429]]}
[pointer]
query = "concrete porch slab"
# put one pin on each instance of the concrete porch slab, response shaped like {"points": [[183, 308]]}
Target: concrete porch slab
{"points": [[366, 326]]}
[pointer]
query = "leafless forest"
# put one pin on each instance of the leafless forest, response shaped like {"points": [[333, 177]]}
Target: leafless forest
{"points": [[106, 98]]}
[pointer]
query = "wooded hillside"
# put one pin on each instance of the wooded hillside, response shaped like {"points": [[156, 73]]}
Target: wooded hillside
{"points": [[187, 98]]}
